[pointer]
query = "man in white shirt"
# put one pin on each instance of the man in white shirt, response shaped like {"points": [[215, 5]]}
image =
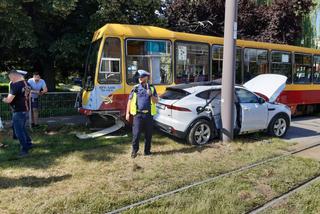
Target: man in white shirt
{"points": [[38, 88]]}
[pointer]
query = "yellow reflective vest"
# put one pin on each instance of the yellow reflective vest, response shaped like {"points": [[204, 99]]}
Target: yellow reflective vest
{"points": [[133, 103]]}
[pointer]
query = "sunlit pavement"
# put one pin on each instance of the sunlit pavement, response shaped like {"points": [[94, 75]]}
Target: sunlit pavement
{"points": [[66, 120], [305, 131]]}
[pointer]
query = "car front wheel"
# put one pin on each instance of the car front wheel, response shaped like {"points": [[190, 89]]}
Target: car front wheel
{"points": [[200, 133], [279, 126]]}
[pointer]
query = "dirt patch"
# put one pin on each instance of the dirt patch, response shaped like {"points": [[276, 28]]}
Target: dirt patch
{"points": [[265, 190]]}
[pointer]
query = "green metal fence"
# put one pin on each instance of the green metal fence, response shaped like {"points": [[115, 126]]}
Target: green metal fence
{"points": [[51, 104]]}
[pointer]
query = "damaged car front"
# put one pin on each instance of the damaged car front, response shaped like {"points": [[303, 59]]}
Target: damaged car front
{"points": [[193, 111]]}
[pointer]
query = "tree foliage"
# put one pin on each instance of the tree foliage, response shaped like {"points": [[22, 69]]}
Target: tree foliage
{"points": [[52, 36], [42, 35], [263, 20]]}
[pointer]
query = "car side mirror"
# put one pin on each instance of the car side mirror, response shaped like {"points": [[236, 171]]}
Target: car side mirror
{"points": [[200, 109], [261, 100]]}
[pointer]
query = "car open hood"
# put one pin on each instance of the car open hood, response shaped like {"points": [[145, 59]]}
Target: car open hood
{"points": [[268, 85]]}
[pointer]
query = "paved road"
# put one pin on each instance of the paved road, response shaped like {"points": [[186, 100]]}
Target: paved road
{"points": [[305, 131], [67, 120]]}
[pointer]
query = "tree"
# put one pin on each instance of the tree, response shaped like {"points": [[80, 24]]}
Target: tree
{"points": [[16, 32], [41, 35], [143, 12], [278, 21], [285, 20], [52, 36], [311, 27]]}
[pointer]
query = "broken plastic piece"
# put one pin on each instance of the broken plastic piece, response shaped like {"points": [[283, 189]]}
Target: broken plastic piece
{"points": [[118, 125]]}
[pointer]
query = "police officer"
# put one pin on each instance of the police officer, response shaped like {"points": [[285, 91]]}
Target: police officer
{"points": [[142, 106]]}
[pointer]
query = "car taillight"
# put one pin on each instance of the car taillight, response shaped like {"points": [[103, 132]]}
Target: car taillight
{"points": [[177, 108]]}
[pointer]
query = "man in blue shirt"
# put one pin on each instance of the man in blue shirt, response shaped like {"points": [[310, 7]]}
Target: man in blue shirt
{"points": [[141, 105], [39, 88], [18, 99]]}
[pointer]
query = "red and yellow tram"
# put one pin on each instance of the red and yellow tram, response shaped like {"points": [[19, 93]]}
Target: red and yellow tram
{"points": [[118, 51]]}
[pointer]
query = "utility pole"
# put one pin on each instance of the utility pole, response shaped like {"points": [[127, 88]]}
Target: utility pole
{"points": [[229, 65]]}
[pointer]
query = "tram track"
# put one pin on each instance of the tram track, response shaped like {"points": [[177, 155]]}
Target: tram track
{"points": [[276, 200], [229, 173]]}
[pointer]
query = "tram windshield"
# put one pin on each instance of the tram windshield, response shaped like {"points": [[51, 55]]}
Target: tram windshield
{"points": [[91, 65]]}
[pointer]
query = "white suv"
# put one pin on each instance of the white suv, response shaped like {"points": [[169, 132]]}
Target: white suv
{"points": [[192, 111]]}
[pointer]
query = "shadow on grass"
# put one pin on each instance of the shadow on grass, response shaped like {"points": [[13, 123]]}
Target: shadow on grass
{"points": [[54, 143], [49, 148], [30, 181], [186, 150]]}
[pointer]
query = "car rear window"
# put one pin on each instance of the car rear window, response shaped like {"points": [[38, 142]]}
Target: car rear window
{"points": [[209, 94], [174, 94]]}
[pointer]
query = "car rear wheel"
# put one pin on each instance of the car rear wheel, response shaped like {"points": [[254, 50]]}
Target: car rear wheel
{"points": [[279, 126], [200, 133]]}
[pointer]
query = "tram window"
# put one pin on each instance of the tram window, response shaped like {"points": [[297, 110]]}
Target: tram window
{"points": [[153, 56], [302, 68], [281, 63], [217, 62], [316, 69], [192, 62], [255, 63], [91, 64], [110, 67]]}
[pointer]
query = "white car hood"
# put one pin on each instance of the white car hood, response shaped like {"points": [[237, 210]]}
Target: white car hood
{"points": [[269, 85]]}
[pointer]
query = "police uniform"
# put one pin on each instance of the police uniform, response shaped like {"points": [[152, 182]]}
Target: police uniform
{"points": [[143, 109]]}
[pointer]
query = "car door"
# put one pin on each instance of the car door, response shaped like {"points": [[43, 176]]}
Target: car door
{"points": [[254, 115], [215, 96]]}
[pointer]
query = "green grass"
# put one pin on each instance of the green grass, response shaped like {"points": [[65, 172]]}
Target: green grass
{"points": [[305, 201], [238, 193], [66, 175]]}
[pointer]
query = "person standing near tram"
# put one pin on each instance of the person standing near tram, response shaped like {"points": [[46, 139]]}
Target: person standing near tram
{"points": [[39, 88], [142, 106]]}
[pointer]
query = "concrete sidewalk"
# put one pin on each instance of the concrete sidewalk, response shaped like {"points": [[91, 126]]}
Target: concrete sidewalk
{"points": [[305, 131], [67, 120]]}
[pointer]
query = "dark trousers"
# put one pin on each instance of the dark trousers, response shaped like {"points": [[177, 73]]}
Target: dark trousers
{"points": [[142, 123], [19, 120], [34, 103]]}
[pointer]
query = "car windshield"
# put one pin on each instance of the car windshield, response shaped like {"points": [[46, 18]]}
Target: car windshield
{"points": [[174, 94]]}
